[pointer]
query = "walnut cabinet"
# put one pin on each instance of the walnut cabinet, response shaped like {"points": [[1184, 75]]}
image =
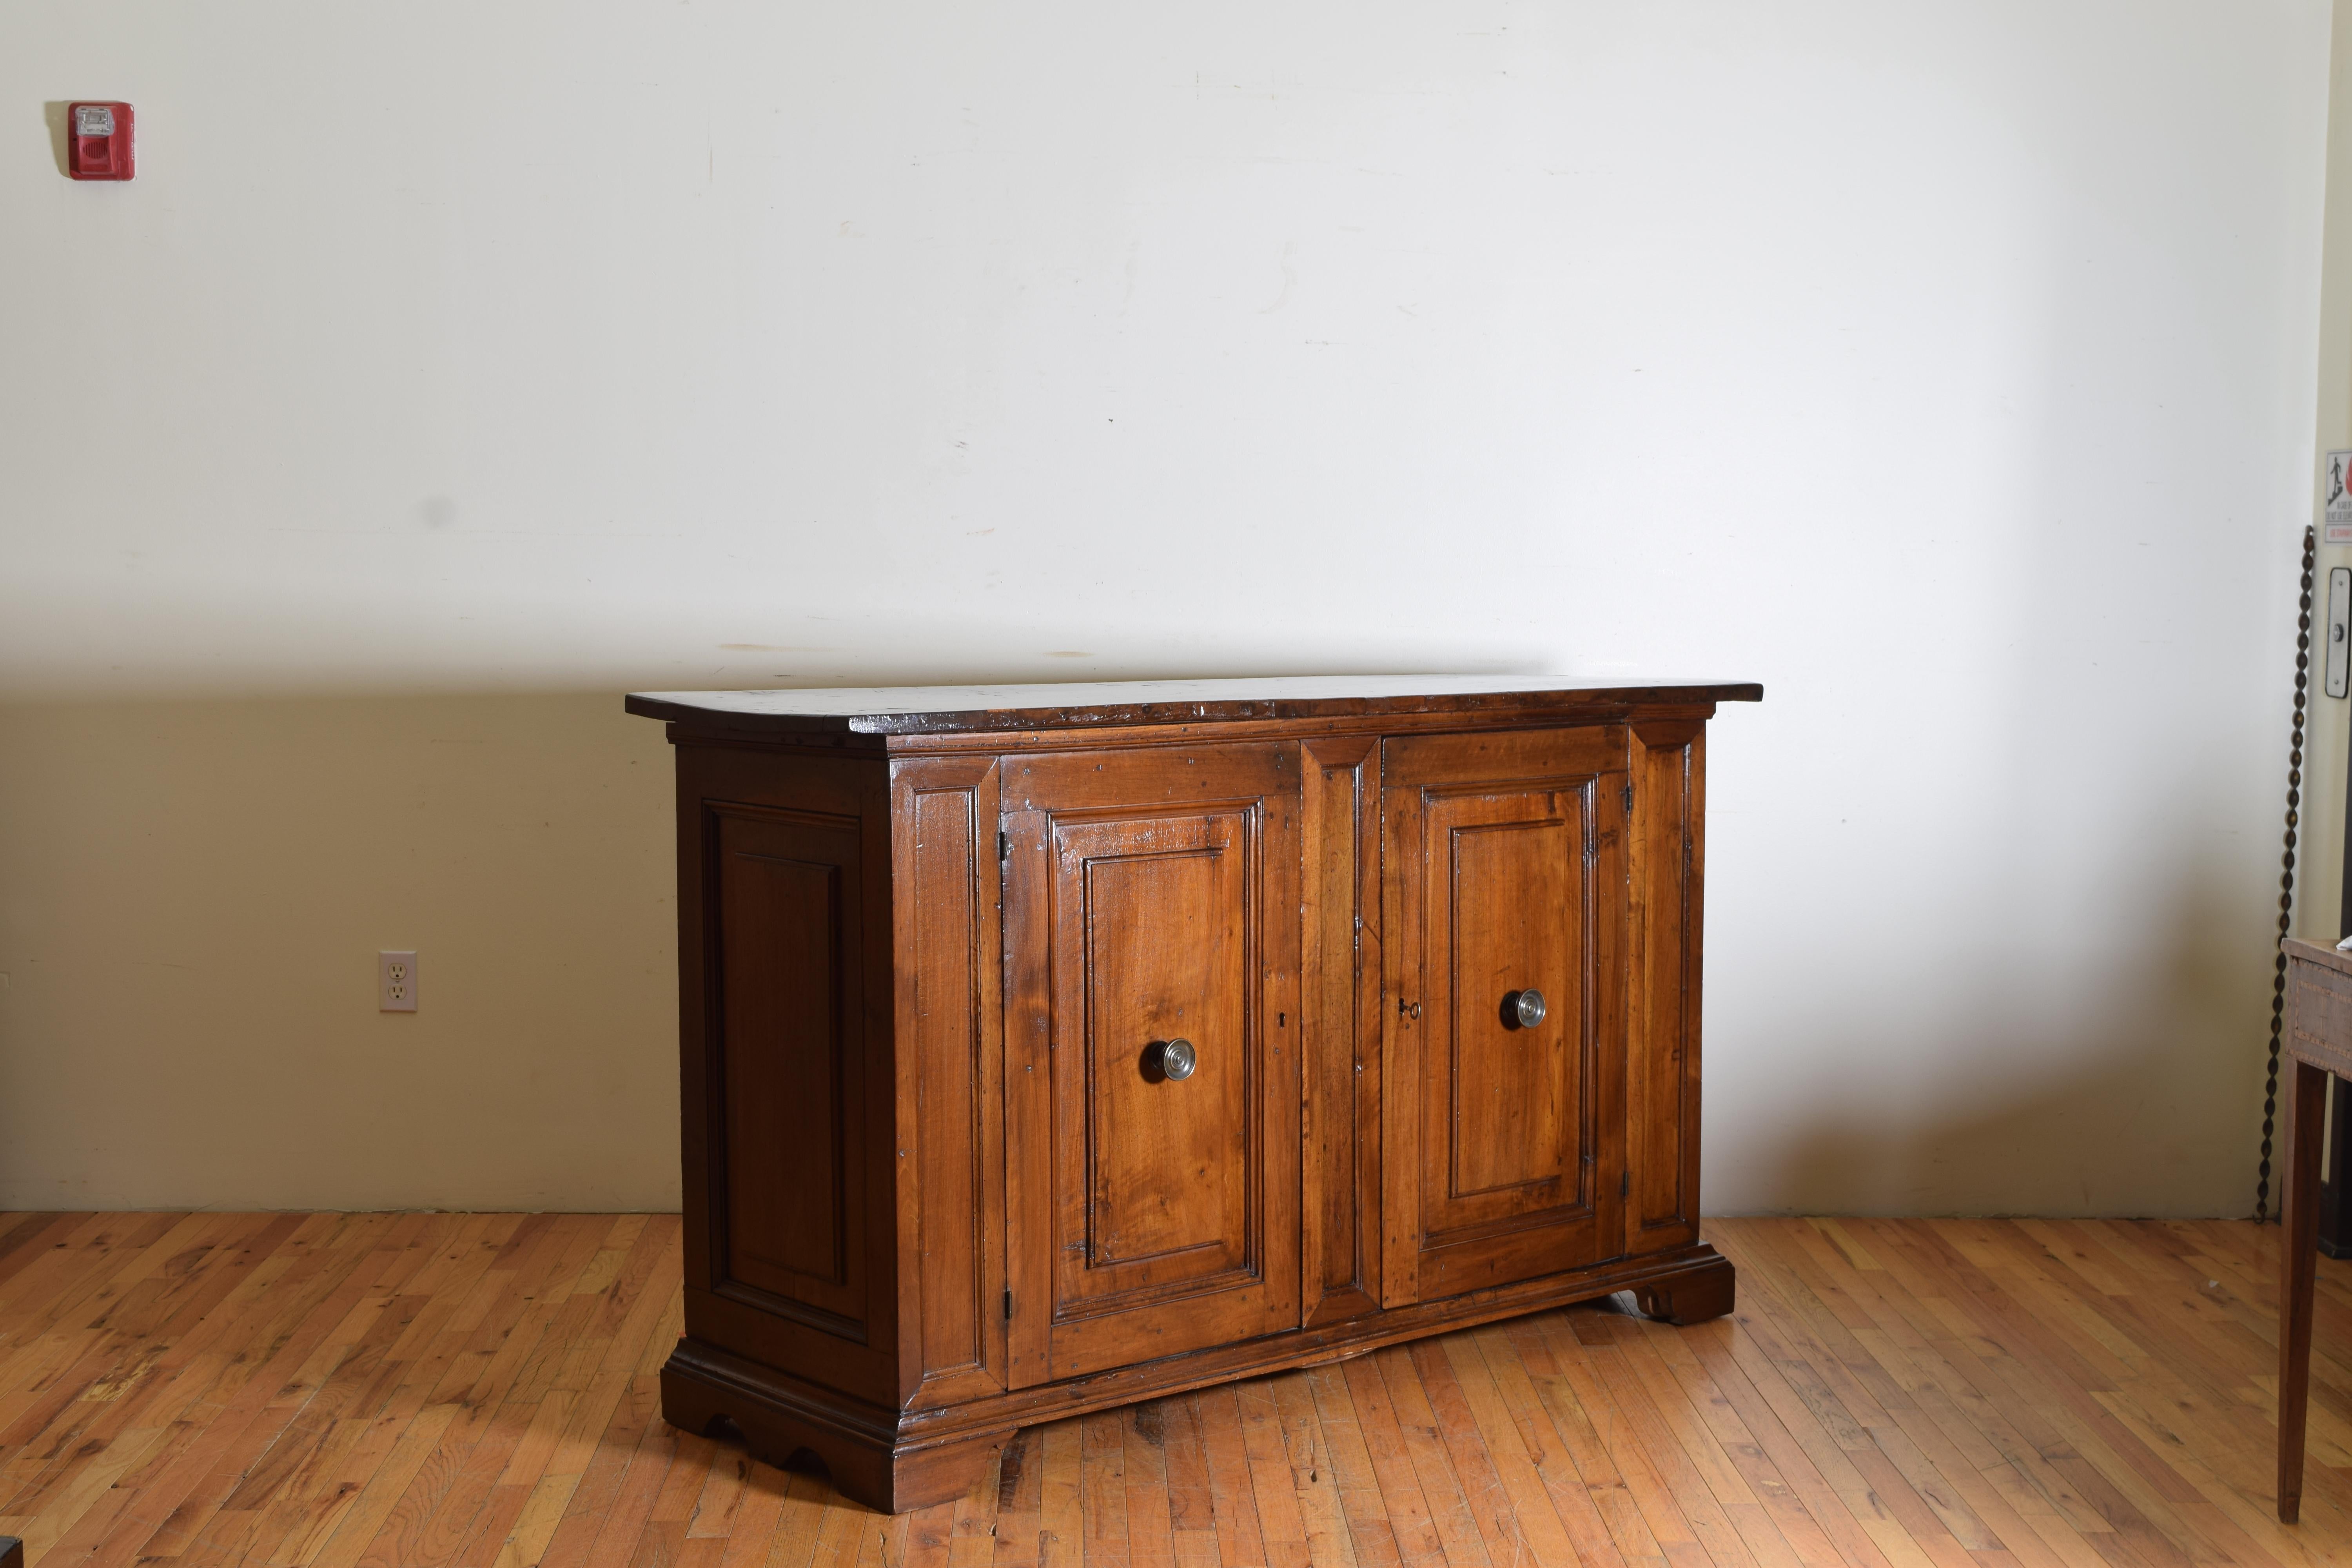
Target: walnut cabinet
{"points": [[1047, 1048]]}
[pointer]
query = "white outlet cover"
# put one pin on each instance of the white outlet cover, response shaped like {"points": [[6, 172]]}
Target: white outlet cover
{"points": [[396, 982], [2338, 667]]}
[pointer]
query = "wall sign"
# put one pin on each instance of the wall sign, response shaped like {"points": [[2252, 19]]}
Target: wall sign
{"points": [[2337, 527]]}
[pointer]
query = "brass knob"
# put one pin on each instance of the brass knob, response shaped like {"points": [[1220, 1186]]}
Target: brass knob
{"points": [[1177, 1059], [1528, 1006]]}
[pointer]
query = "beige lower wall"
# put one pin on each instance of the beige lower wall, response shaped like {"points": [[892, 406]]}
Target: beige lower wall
{"points": [[191, 896]]}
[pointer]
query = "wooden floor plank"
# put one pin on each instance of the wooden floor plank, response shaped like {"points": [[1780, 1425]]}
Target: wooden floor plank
{"points": [[1232, 1495], [1322, 1513], [1372, 1541], [480, 1391], [1404, 1506], [1061, 1525], [1150, 1526], [1020, 1494], [1282, 1525], [1524, 1512]]}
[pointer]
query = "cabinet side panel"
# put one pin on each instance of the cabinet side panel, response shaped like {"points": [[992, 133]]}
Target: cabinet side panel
{"points": [[1340, 968], [1662, 1084], [787, 930], [780, 963], [787, 1077], [952, 1110]]}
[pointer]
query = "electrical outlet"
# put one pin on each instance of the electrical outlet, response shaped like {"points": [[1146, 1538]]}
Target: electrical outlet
{"points": [[395, 982]]}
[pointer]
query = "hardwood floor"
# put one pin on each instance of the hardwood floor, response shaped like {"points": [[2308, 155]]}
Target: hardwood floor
{"points": [[417, 1390]]}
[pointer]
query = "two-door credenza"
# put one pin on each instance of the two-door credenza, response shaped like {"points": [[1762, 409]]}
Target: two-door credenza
{"points": [[1045, 1049]]}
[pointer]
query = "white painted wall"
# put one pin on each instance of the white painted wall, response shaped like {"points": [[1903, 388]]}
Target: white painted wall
{"points": [[1948, 368], [2319, 889]]}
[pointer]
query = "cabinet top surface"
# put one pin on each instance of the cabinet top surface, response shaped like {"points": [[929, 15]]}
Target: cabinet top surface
{"points": [[2324, 954], [947, 710]]}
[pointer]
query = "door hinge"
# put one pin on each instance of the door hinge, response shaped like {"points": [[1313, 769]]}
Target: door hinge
{"points": [[1004, 846], [1008, 1303], [1624, 1184], [1629, 798]]}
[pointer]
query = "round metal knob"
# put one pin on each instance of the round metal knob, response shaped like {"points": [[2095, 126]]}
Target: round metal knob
{"points": [[1528, 1006], [1177, 1059]]}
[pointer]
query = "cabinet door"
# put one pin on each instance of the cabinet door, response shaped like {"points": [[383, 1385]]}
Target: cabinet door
{"points": [[1504, 874], [1150, 897]]}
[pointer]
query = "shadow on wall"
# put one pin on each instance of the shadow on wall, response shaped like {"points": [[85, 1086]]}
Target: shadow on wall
{"points": [[2119, 1081], [191, 895], [192, 898]]}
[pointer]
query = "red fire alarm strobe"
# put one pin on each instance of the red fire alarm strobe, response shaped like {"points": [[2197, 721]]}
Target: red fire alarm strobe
{"points": [[97, 141]]}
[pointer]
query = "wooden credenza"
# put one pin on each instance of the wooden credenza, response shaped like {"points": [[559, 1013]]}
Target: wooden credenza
{"points": [[1047, 1048]]}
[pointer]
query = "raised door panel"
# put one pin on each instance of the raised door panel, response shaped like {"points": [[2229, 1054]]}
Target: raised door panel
{"points": [[1153, 1172], [1505, 880], [1662, 1082], [1145, 903], [1505, 1099]]}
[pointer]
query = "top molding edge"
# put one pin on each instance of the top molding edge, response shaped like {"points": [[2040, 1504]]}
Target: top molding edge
{"points": [[966, 710]]}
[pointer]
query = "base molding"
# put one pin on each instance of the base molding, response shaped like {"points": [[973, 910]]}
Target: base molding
{"points": [[863, 1451], [1694, 1296], [894, 1460]]}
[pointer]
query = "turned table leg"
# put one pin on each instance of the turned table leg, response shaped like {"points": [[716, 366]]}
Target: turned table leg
{"points": [[2298, 1259]]}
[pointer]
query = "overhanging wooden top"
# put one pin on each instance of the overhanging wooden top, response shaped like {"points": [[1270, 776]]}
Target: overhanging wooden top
{"points": [[959, 710], [2324, 955]]}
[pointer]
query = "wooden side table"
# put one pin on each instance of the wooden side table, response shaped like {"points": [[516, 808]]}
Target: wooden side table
{"points": [[2318, 1040]]}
